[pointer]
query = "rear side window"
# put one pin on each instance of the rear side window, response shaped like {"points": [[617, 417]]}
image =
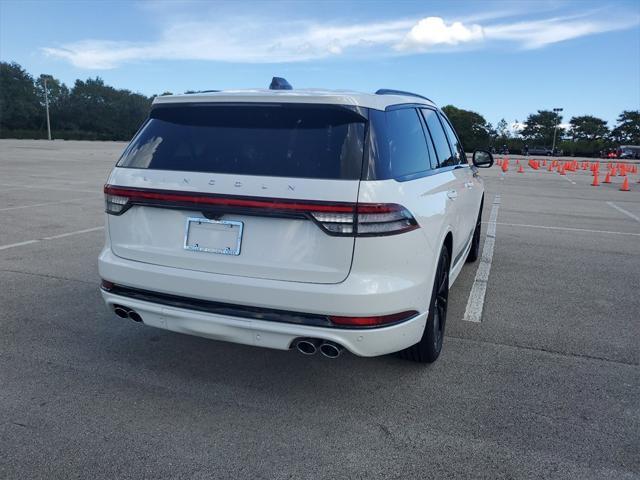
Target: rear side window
{"points": [[445, 157], [301, 141], [456, 146], [398, 144]]}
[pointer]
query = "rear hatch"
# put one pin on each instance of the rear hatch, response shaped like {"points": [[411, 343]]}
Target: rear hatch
{"points": [[255, 190]]}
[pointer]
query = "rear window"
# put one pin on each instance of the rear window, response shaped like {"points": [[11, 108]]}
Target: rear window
{"points": [[303, 141], [399, 147], [440, 141]]}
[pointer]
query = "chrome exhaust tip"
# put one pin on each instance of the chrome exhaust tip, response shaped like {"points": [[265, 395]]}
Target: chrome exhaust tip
{"points": [[135, 316], [331, 349], [308, 346], [120, 311]]}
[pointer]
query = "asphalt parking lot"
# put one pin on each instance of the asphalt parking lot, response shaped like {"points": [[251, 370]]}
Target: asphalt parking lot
{"points": [[547, 384]]}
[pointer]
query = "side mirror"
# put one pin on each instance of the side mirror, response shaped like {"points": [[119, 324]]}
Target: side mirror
{"points": [[482, 159]]}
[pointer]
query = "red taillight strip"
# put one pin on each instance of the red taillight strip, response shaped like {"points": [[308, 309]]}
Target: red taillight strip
{"points": [[119, 199], [197, 198], [372, 321]]}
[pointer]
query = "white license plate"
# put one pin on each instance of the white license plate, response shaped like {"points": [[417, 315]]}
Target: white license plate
{"points": [[213, 236]]}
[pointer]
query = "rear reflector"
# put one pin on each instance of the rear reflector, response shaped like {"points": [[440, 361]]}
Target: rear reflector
{"points": [[372, 321], [335, 218]]}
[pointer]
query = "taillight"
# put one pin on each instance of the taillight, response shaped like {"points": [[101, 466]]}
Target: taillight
{"points": [[114, 204], [335, 218], [369, 219], [384, 219], [372, 321]]}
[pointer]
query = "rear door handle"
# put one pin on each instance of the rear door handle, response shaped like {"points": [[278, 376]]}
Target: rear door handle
{"points": [[452, 194]]}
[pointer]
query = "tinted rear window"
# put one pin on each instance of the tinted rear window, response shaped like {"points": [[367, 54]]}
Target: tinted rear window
{"points": [[443, 150], [398, 145], [268, 140]]}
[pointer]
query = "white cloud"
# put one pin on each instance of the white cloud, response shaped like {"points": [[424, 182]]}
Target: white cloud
{"points": [[264, 40], [516, 127], [539, 33], [432, 31]]}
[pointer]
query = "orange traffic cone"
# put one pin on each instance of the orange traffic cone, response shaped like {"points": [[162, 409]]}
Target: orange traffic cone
{"points": [[521, 169], [561, 170], [625, 185], [607, 179], [550, 168], [544, 163], [505, 166], [596, 182]]}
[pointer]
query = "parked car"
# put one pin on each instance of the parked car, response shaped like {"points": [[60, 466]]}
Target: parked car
{"points": [[541, 151], [629, 151], [311, 220]]}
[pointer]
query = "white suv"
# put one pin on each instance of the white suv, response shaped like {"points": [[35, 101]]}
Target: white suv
{"points": [[306, 219]]}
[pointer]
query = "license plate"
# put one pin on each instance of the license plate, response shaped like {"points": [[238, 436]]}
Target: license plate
{"points": [[213, 236]]}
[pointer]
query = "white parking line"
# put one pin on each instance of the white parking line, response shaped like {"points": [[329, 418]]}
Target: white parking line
{"points": [[62, 189], [62, 235], [19, 244], [586, 230], [45, 204], [566, 177], [475, 304], [622, 210]]}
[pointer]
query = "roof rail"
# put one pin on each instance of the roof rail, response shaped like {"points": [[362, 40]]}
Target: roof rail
{"points": [[389, 91], [192, 92]]}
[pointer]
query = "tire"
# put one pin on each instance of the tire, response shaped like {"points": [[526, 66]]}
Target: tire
{"points": [[429, 347], [474, 252]]}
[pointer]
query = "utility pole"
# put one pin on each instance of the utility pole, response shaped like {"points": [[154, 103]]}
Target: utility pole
{"points": [[46, 102], [555, 129]]}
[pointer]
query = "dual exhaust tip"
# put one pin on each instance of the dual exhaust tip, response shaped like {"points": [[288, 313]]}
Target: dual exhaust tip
{"points": [[306, 346], [310, 346], [126, 312]]}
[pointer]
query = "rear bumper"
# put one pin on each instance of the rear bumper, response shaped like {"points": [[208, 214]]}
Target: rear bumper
{"points": [[368, 293], [363, 342]]}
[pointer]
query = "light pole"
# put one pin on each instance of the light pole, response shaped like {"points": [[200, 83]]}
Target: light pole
{"points": [[46, 103], [555, 129]]}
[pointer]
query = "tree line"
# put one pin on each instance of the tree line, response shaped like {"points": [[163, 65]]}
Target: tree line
{"points": [[586, 136], [91, 110]]}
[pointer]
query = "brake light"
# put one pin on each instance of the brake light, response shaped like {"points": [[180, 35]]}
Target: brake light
{"points": [[114, 204], [370, 219], [372, 321], [384, 219], [335, 218]]}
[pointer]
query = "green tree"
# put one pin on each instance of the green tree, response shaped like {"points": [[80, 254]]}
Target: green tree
{"points": [[114, 114], [502, 129], [588, 128], [19, 108], [539, 127], [627, 130], [473, 129], [58, 96]]}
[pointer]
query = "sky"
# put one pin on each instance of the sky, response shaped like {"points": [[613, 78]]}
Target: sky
{"points": [[503, 59]]}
